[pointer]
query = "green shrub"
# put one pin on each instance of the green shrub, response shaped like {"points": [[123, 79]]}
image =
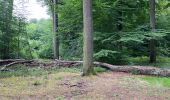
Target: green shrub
{"points": [[100, 69], [112, 57], [163, 62]]}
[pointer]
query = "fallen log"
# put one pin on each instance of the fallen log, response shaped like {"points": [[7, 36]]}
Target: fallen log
{"points": [[14, 62], [127, 69], [7, 61]]}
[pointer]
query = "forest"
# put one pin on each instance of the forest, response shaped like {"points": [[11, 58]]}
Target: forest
{"points": [[85, 50]]}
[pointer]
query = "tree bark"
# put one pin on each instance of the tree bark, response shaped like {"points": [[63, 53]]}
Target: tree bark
{"points": [[152, 43], [55, 30], [88, 38]]}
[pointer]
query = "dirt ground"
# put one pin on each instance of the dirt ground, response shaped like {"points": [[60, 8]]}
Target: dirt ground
{"points": [[71, 86]]}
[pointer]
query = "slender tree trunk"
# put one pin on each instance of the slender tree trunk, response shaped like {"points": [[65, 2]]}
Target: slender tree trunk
{"points": [[55, 30], [88, 38], [152, 43]]}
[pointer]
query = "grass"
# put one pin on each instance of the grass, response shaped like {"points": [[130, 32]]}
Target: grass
{"points": [[29, 81], [60, 98], [99, 69], [157, 81], [15, 86], [24, 81], [162, 62], [23, 71]]}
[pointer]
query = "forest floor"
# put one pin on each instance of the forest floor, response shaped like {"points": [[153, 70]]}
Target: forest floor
{"points": [[69, 85]]}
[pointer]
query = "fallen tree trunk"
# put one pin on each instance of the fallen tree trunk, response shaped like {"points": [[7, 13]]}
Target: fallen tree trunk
{"points": [[14, 62], [127, 69], [7, 61]]}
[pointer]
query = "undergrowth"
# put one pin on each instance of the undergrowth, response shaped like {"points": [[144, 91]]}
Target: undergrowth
{"points": [[162, 62], [24, 71]]}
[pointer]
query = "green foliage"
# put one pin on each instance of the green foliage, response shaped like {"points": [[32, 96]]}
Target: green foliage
{"points": [[121, 30], [162, 62], [70, 27], [109, 56], [12, 27], [105, 53], [99, 69], [40, 38], [132, 38], [142, 36]]}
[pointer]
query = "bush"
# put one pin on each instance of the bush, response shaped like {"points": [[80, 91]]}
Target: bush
{"points": [[162, 62], [112, 57], [46, 52]]}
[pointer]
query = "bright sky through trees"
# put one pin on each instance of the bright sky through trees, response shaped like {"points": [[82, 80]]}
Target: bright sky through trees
{"points": [[33, 9]]}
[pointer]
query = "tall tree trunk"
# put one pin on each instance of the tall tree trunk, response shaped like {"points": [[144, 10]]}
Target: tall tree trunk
{"points": [[55, 30], [152, 43], [88, 38]]}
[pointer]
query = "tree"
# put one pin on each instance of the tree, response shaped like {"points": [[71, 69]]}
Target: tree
{"points": [[152, 25], [40, 36], [6, 27], [55, 30], [53, 9], [88, 38], [12, 27]]}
